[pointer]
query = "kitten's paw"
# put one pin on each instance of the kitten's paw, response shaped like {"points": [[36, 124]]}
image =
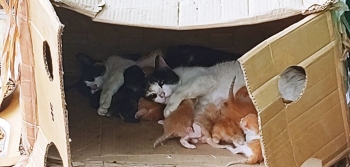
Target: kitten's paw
{"points": [[193, 141], [191, 146], [102, 111]]}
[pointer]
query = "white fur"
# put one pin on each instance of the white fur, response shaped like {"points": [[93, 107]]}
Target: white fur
{"points": [[291, 84], [163, 93], [210, 85], [113, 79]]}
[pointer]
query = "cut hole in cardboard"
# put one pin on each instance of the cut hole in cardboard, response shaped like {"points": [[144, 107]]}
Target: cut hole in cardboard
{"points": [[292, 83], [47, 59], [53, 157]]}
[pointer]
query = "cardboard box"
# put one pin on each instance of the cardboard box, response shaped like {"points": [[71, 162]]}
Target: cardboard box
{"points": [[272, 36]]}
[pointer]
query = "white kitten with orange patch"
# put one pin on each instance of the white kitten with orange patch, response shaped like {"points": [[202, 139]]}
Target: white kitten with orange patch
{"points": [[252, 148]]}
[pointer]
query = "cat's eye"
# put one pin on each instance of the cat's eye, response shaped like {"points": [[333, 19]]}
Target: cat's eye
{"points": [[152, 96]]}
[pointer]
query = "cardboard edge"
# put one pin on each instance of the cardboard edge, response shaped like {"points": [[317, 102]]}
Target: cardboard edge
{"points": [[84, 9]]}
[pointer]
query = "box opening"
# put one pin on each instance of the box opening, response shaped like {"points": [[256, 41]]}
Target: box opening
{"points": [[100, 140]]}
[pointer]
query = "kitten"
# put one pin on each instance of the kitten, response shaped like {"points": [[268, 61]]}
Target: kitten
{"points": [[210, 123], [291, 83], [237, 107], [228, 131], [210, 84], [125, 100], [179, 124], [149, 110], [252, 148], [189, 56]]}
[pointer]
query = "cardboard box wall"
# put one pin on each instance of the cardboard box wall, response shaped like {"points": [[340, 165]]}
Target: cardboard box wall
{"points": [[316, 125]]}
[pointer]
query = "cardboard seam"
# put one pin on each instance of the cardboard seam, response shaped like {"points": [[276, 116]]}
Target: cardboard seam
{"points": [[343, 133], [317, 119], [312, 106]]}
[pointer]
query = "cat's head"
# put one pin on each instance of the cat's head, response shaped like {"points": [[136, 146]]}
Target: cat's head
{"points": [[134, 78], [161, 83], [249, 124], [92, 72]]}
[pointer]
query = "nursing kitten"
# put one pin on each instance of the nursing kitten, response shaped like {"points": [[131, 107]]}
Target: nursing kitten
{"points": [[291, 83], [125, 101], [237, 107], [179, 124], [252, 148], [228, 131], [149, 110], [189, 56], [210, 84]]}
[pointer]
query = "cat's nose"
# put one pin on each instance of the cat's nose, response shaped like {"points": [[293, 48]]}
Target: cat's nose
{"points": [[162, 95], [94, 87]]}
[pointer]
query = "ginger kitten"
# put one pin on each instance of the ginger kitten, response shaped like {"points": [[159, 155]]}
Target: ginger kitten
{"points": [[179, 124], [149, 110], [239, 105], [228, 131], [252, 148]]}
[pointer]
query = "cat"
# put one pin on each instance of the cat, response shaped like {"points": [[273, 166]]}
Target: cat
{"points": [[189, 56], [149, 110], [239, 105], [179, 124], [252, 148], [291, 83], [210, 84], [109, 75], [125, 101]]}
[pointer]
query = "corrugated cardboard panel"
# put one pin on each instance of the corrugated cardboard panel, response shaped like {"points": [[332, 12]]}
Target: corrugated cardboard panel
{"points": [[154, 13], [192, 14], [87, 7], [307, 126], [46, 28], [298, 42]]}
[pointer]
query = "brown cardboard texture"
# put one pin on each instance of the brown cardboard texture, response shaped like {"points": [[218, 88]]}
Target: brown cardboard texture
{"points": [[311, 129]]}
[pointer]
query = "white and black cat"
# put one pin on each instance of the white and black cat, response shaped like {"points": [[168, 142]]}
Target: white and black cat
{"points": [[107, 75], [209, 84]]}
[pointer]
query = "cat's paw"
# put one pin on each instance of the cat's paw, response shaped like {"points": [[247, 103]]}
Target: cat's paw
{"points": [[191, 146], [102, 111]]}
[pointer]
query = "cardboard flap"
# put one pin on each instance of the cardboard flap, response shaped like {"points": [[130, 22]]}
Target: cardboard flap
{"points": [[190, 14], [52, 117], [88, 7]]}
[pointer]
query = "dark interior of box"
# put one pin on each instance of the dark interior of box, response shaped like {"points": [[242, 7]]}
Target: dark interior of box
{"points": [[100, 140]]}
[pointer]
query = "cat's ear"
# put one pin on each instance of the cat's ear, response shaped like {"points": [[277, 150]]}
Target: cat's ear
{"points": [[85, 60], [160, 63]]}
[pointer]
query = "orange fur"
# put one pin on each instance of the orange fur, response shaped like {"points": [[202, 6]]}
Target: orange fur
{"points": [[211, 122], [179, 123], [149, 110], [238, 107], [252, 148], [228, 131]]}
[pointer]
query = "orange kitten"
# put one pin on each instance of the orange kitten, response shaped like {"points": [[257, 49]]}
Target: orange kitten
{"points": [[251, 149], [149, 110], [228, 131], [179, 124], [206, 121], [238, 107]]}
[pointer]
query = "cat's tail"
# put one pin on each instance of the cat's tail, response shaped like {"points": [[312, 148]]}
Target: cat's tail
{"points": [[241, 161], [216, 145], [161, 139], [253, 159]]}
